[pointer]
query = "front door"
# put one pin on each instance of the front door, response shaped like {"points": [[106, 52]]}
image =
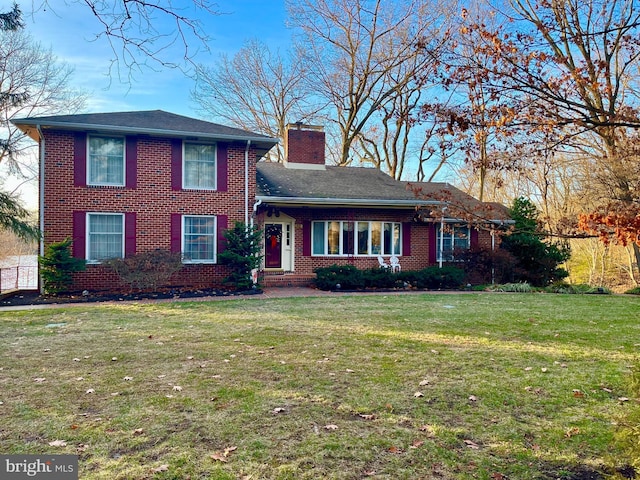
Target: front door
{"points": [[273, 245]]}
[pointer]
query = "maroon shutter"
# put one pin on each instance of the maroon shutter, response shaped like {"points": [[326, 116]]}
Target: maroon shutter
{"points": [[80, 159], [176, 165], [432, 243], [176, 233], [129, 234], [223, 224], [222, 166], [132, 162], [79, 234], [406, 239], [474, 238], [306, 238]]}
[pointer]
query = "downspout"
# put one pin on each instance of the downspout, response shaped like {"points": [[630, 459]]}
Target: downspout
{"points": [[41, 202], [493, 248], [246, 184], [256, 204], [444, 209]]}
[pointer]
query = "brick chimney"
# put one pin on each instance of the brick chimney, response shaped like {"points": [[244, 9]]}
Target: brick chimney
{"points": [[304, 146]]}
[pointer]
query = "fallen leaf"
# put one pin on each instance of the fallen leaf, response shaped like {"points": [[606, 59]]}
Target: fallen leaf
{"points": [[76, 359], [528, 369], [394, 449], [608, 390], [138, 431], [571, 432], [424, 382], [331, 427], [90, 390], [279, 410], [417, 444], [81, 447], [623, 399], [114, 359], [58, 443], [471, 444], [79, 379], [544, 369], [367, 416], [73, 427], [418, 394], [189, 358], [578, 394], [39, 379], [161, 468], [473, 398], [228, 450], [497, 476], [177, 388], [348, 370], [127, 379], [219, 457]]}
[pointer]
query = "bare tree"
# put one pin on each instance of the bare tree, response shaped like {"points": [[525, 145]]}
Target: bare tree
{"points": [[31, 82], [144, 33], [359, 51], [257, 90]]}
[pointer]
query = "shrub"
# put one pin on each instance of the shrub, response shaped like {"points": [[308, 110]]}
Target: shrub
{"points": [[344, 277], [58, 265], [379, 278], [483, 265], [580, 288], [241, 255], [146, 270], [518, 287], [434, 278], [633, 291]]}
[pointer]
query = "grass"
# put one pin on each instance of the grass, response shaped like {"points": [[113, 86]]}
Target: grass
{"points": [[482, 386]]}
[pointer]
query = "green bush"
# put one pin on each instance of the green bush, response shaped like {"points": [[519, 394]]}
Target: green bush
{"points": [[379, 278], [58, 265], [580, 288], [633, 291], [241, 255], [434, 278], [146, 270], [518, 287], [342, 277]]}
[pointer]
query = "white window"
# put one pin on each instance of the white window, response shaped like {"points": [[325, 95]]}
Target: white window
{"points": [[106, 161], [105, 236], [339, 238], [199, 238], [449, 239], [199, 166]]}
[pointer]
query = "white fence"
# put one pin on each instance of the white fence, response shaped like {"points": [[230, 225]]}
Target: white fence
{"points": [[19, 273]]}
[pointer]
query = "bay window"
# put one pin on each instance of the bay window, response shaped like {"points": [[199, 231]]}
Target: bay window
{"points": [[364, 238]]}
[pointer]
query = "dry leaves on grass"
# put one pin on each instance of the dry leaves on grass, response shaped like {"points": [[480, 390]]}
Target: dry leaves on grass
{"points": [[223, 456], [331, 427], [58, 443], [161, 468]]}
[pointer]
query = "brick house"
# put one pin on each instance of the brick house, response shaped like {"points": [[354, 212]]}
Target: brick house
{"points": [[121, 183]]}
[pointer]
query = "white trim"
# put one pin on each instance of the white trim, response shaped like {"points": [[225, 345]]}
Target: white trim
{"points": [[215, 166], [87, 234], [124, 161], [215, 241]]}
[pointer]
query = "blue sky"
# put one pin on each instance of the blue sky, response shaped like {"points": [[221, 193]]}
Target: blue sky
{"points": [[70, 29]]}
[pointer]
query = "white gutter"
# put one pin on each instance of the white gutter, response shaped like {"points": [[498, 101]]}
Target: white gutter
{"points": [[256, 204], [347, 201], [246, 184], [41, 198]]}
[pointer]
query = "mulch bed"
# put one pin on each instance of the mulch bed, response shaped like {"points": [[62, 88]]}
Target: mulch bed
{"points": [[34, 298]]}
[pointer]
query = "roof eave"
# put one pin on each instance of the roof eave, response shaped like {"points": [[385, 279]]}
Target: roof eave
{"points": [[147, 131]]}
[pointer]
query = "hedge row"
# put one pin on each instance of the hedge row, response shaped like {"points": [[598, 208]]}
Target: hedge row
{"points": [[348, 277]]}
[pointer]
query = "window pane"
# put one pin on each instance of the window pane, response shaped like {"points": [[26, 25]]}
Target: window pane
{"points": [[363, 238], [347, 238], [199, 166], [387, 236], [397, 238], [199, 241], [106, 161], [461, 237], [333, 238], [318, 238], [376, 238], [105, 237]]}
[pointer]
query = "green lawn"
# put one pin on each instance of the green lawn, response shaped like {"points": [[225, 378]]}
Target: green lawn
{"points": [[482, 386]]}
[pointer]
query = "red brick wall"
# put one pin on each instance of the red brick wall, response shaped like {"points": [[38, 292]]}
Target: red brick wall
{"points": [[419, 235], [153, 201]]}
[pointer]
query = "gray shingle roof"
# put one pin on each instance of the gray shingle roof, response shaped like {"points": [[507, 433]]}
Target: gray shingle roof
{"points": [[152, 122]]}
